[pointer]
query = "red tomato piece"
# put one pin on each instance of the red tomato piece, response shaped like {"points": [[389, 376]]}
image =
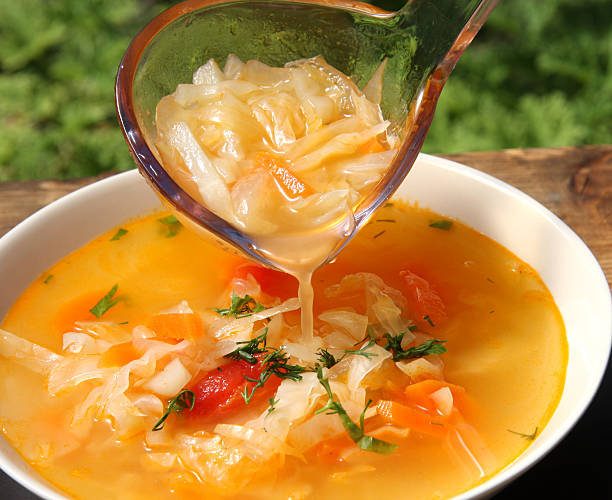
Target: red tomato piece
{"points": [[273, 283], [219, 392], [423, 299]]}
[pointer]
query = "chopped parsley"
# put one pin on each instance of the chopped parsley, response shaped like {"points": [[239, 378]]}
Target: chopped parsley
{"points": [[184, 400], [388, 204], [120, 232], [47, 279], [105, 303], [441, 224], [379, 234], [386, 220], [429, 320], [529, 437], [172, 224], [394, 345], [355, 432], [241, 307]]}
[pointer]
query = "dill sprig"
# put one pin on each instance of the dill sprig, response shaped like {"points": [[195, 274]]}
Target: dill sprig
{"points": [[394, 345], [355, 432], [364, 350], [247, 349], [184, 400], [241, 307]]}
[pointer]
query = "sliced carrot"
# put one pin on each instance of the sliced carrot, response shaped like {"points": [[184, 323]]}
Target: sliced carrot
{"points": [[418, 394], [177, 326], [77, 309], [287, 181], [372, 146], [119, 355], [416, 419], [331, 451], [426, 303]]}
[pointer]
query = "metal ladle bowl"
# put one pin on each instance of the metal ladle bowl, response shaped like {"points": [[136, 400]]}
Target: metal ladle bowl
{"points": [[421, 42]]}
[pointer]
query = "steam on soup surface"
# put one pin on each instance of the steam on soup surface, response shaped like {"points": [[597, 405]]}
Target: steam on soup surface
{"points": [[457, 343]]}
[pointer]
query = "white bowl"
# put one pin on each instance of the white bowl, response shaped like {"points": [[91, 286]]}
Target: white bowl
{"points": [[488, 205]]}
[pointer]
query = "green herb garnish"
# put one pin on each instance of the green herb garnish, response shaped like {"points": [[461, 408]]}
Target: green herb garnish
{"points": [[364, 350], [120, 232], [241, 307], [272, 402], [441, 224], [379, 234], [183, 400], [105, 303], [429, 320], [172, 224], [355, 432], [388, 204], [394, 345], [386, 220], [529, 437], [47, 279], [275, 363], [248, 348], [327, 359]]}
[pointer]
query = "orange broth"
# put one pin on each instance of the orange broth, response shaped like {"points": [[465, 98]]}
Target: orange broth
{"points": [[505, 345]]}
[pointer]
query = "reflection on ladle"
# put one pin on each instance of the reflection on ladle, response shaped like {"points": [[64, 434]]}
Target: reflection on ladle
{"points": [[417, 46]]}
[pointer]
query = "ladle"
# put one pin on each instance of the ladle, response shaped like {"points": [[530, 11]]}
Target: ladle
{"points": [[422, 42]]}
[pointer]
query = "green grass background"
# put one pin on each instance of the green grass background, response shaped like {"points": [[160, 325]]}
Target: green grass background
{"points": [[538, 74]]}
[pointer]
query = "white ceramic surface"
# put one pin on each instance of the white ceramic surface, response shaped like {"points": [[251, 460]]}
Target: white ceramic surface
{"points": [[490, 206]]}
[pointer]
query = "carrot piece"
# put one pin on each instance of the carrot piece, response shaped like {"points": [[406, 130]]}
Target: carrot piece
{"points": [[77, 309], [331, 451], [418, 394], [425, 301], [372, 146], [287, 181], [177, 326], [119, 355], [415, 419]]}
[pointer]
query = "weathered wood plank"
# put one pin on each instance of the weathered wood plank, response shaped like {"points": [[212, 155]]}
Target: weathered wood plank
{"points": [[575, 183]]}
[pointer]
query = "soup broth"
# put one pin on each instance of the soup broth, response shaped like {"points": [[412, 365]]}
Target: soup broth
{"points": [[504, 364]]}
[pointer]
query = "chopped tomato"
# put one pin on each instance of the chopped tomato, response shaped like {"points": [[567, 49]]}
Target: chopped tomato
{"points": [[177, 326], [219, 392], [424, 301], [287, 181], [273, 283]]}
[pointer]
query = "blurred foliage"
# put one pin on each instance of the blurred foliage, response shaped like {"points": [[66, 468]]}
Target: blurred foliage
{"points": [[538, 74]]}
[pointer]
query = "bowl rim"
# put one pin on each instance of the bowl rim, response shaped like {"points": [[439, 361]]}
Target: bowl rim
{"points": [[25, 230]]}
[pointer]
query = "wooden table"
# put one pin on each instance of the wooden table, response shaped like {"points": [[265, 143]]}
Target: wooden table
{"points": [[575, 184]]}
